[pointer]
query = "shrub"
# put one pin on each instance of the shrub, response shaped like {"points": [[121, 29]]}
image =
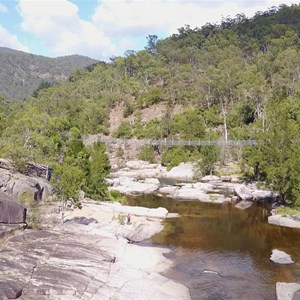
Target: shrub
{"points": [[147, 154], [123, 131], [128, 110], [175, 156]]}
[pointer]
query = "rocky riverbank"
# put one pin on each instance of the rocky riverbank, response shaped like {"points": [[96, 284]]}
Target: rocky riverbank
{"points": [[93, 255], [181, 183]]}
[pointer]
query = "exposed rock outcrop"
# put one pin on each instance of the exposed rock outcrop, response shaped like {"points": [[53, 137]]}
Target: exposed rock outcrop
{"points": [[281, 257], [11, 211], [89, 257], [140, 177], [286, 221], [184, 171], [18, 184], [244, 192], [286, 291]]}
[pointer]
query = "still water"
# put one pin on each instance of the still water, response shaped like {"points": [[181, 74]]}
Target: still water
{"points": [[221, 252]]}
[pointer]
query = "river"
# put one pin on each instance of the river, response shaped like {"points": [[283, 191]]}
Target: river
{"points": [[221, 252]]}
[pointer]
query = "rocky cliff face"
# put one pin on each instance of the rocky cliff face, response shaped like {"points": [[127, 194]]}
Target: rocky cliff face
{"points": [[11, 211], [88, 257], [17, 184]]}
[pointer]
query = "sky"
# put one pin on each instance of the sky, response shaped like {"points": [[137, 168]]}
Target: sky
{"points": [[105, 28]]}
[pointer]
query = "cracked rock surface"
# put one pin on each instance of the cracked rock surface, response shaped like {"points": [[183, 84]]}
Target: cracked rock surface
{"points": [[71, 262]]}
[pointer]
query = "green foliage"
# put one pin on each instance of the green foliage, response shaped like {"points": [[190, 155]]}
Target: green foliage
{"points": [[68, 180], [82, 169], [123, 131], [190, 125], [238, 79], [146, 153], [209, 156], [96, 187], [33, 217], [175, 156], [287, 211], [128, 110], [115, 196], [276, 157], [120, 152], [121, 219], [151, 97], [24, 74]]}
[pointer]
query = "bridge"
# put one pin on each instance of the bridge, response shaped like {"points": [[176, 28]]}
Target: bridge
{"points": [[170, 142]]}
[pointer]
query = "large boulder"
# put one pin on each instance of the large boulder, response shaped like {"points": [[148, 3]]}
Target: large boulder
{"points": [[281, 257], [184, 171], [210, 178], [286, 221], [130, 186], [11, 211], [18, 184], [286, 291], [243, 192]]}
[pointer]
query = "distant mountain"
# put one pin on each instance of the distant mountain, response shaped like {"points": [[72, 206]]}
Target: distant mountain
{"points": [[22, 73]]}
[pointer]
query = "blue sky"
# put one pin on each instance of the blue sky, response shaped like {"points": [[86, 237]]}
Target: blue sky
{"points": [[106, 28]]}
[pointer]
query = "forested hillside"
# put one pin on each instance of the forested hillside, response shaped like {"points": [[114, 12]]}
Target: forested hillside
{"points": [[239, 79], [22, 73]]}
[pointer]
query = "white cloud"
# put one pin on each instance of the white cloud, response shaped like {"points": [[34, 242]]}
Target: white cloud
{"points": [[3, 8], [118, 25], [140, 17], [10, 41], [60, 29]]}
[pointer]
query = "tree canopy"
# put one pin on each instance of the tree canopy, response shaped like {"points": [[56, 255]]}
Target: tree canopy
{"points": [[239, 79]]}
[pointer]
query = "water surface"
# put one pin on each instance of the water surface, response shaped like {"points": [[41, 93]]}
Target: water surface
{"points": [[221, 252]]}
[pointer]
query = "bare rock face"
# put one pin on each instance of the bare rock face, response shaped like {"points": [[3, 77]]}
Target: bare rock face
{"points": [[287, 291], [11, 211], [10, 290], [70, 265], [17, 184]]}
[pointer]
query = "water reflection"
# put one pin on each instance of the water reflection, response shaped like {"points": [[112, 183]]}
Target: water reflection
{"points": [[235, 244]]}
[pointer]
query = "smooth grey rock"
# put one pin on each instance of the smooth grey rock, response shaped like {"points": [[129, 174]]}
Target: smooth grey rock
{"points": [[78, 261], [281, 257], [261, 195], [116, 207], [226, 178], [171, 190], [152, 181], [210, 178], [130, 186], [189, 193], [17, 184], [140, 164], [184, 171], [297, 295], [10, 290], [284, 221], [203, 186], [243, 192], [244, 204], [286, 291], [234, 198], [11, 211]]}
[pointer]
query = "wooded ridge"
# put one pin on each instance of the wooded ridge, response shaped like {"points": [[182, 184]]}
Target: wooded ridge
{"points": [[23, 73], [237, 80]]}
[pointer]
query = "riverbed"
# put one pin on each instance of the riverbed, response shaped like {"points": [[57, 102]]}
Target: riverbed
{"points": [[221, 252]]}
